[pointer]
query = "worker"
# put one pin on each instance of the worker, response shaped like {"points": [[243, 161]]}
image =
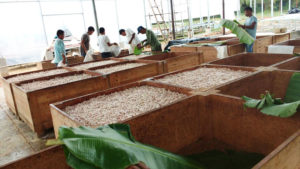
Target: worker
{"points": [[132, 38], [250, 26], [151, 39], [59, 48], [104, 44], [85, 41], [48, 53]]}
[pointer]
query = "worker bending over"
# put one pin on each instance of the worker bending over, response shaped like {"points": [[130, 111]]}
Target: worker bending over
{"points": [[85, 41], [151, 39], [250, 26], [132, 38], [59, 48], [104, 44]]}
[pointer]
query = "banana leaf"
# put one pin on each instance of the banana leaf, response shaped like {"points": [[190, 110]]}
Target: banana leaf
{"points": [[250, 103], [243, 36], [283, 110], [272, 106], [114, 147], [235, 21], [293, 90]]}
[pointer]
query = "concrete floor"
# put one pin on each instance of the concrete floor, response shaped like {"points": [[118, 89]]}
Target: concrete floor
{"points": [[17, 140]]}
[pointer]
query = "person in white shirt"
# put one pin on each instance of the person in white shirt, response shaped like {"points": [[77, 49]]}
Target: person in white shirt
{"points": [[132, 38], [104, 44]]}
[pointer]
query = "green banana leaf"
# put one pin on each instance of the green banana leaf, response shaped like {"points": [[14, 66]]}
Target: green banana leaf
{"points": [[283, 110], [250, 103], [296, 54], [293, 90], [243, 36], [235, 21], [274, 107], [114, 147]]}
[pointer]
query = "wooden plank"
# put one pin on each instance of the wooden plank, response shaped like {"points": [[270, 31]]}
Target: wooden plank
{"points": [[261, 44], [70, 60], [151, 68], [285, 156], [248, 130], [253, 59], [281, 37], [9, 98], [73, 67], [50, 158], [210, 53], [177, 61], [235, 49], [45, 65], [33, 106], [292, 64]]}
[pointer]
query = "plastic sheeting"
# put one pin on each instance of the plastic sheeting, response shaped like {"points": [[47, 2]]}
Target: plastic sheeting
{"points": [[183, 41], [280, 49]]}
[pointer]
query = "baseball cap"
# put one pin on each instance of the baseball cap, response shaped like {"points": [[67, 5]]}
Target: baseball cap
{"points": [[140, 28]]}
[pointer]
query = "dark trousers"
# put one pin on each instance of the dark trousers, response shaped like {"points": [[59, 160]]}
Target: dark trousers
{"points": [[106, 54]]}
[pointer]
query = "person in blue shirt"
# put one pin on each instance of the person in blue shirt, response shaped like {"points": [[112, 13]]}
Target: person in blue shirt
{"points": [[59, 48], [250, 26]]}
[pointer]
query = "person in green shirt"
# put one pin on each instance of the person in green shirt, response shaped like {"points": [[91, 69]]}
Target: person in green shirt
{"points": [[151, 39]]}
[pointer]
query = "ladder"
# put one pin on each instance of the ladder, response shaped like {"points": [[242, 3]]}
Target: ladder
{"points": [[162, 25]]}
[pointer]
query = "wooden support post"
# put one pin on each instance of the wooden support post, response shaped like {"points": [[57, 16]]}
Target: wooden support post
{"points": [[173, 21], [96, 17], [223, 5]]}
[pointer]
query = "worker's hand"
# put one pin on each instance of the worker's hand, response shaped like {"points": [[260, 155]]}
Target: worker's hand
{"points": [[116, 44], [138, 166], [139, 46], [242, 26]]}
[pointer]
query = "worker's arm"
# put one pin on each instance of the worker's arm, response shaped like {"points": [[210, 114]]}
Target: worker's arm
{"points": [[133, 36], [83, 46], [64, 58], [108, 42], [252, 26], [63, 53], [147, 41], [111, 44]]}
